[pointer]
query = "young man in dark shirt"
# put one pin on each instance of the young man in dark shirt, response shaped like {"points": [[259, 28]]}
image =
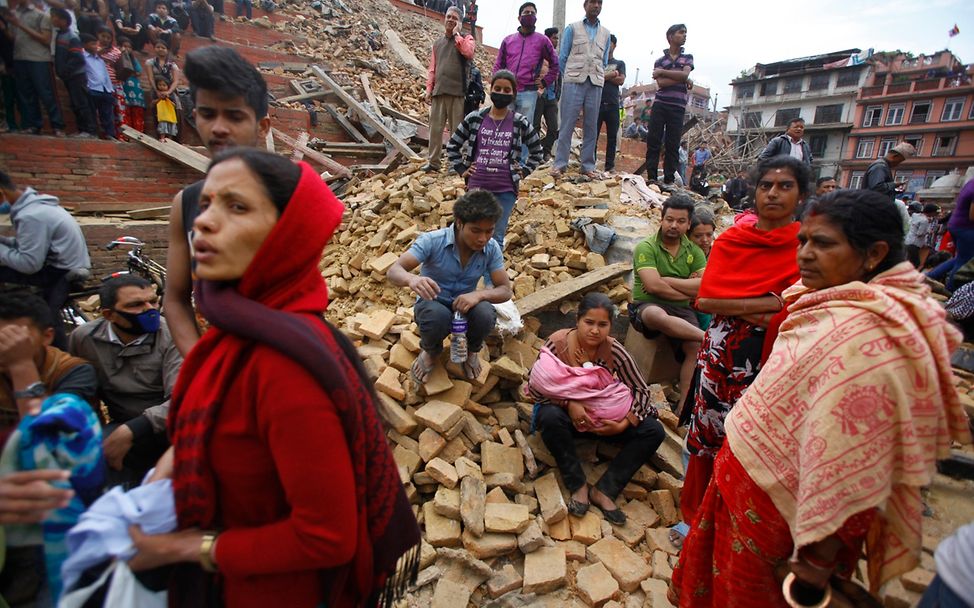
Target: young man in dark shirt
{"points": [[671, 72], [615, 76], [230, 108]]}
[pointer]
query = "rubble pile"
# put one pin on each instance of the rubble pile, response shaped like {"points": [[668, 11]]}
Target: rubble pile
{"points": [[391, 46], [485, 489], [387, 212]]}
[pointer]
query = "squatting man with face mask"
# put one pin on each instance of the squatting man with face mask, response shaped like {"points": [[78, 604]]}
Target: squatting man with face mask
{"points": [[137, 364]]}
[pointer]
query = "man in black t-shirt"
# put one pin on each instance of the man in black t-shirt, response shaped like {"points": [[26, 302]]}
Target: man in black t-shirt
{"points": [[230, 108], [615, 76]]}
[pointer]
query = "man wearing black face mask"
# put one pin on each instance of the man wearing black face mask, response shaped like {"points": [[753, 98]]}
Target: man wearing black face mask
{"points": [[523, 53], [137, 364]]}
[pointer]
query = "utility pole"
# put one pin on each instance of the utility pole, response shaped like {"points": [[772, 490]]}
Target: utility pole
{"points": [[558, 20]]}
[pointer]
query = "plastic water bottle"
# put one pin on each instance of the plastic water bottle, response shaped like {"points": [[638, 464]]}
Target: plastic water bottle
{"points": [[458, 341]]}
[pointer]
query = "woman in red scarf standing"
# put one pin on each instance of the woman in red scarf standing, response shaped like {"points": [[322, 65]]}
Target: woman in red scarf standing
{"points": [[750, 264], [286, 492]]}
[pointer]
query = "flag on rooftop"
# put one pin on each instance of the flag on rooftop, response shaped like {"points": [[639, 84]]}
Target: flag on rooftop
{"points": [[954, 31]]}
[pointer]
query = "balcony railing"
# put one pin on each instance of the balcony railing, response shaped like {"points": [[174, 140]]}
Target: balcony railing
{"points": [[914, 86]]}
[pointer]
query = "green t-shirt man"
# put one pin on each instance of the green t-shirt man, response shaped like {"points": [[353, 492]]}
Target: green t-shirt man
{"points": [[651, 254]]}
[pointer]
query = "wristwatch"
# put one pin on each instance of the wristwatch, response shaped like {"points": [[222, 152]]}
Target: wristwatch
{"points": [[33, 390]]}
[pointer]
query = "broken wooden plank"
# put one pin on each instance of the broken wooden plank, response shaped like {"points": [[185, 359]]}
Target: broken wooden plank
{"points": [[343, 121], [367, 116], [177, 152], [328, 146], [332, 165], [298, 153], [367, 86], [150, 213], [392, 112], [305, 96], [559, 291], [269, 142]]}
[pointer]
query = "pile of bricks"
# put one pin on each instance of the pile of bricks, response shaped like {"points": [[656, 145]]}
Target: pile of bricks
{"points": [[486, 490], [387, 212]]}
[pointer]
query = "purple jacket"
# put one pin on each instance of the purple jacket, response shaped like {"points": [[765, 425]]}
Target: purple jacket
{"points": [[523, 56]]}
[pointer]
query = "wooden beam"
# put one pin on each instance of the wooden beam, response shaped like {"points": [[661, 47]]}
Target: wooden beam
{"points": [[367, 116], [327, 146], [559, 291], [392, 112], [332, 165], [343, 121], [151, 213], [298, 154], [367, 86], [177, 152], [305, 96], [269, 142]]}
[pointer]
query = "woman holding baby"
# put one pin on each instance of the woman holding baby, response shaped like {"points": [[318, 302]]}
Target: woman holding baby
{"points": [[586, 385]]}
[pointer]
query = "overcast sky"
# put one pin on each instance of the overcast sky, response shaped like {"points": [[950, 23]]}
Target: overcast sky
{"points": [[727, 37]]}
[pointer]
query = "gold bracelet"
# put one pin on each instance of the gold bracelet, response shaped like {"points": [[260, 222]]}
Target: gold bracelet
{"points": [[207, 560], [791, 601]]}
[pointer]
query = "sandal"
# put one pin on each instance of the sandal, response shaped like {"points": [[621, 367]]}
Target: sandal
{"points": [[471, 367], [578, 508], [421, 371], [615, 517]]}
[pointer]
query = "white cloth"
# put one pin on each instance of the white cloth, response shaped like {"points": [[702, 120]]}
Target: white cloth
{"points": [[955, 562], [916, 235], [796, 149], [102, 532]]}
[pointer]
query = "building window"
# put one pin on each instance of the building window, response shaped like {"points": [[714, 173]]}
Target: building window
{"points": [[752, 120], [848, 78], [920, 112], [943, 145], [895, 114], [885, 145], [970, 115], [829, 113], [931, 177], [916, 141], [819, 82], [872, 116], [818, 144], [793, 85], [865, 148], [769, 88], [745, 91], [781, 117], [855, 182], [953, 108]]}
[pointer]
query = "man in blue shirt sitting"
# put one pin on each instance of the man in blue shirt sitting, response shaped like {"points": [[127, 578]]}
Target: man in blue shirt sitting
{"points": [[453, 261]]}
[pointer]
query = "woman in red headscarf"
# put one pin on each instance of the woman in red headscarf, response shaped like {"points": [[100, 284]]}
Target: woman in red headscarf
{"points": [[286, 493], [750, 265]]}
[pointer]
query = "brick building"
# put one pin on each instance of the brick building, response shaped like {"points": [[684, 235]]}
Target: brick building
{"points": [[927, 101], [820, 89]]}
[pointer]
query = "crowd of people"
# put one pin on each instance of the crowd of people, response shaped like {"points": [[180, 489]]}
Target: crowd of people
{"points": [[815, 377], [99, 50]]}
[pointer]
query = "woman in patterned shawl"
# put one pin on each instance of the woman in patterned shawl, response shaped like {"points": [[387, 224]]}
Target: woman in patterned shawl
{"points": [[826, 452]]}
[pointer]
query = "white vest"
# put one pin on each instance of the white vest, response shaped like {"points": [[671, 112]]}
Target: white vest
{"points": [[585, 59]]}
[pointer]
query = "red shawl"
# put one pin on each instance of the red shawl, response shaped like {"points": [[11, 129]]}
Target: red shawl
{"points": [[749, 263], [279, 302]]}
